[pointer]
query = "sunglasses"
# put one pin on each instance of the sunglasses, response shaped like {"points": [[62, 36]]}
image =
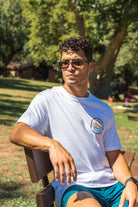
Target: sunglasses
{"points": [[76, 63]]}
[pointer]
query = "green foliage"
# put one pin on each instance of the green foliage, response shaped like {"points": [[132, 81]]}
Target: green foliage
{"points": [[104, 18], [13, 31], [33, 29], [50, 23], [53, 21], [127, 62], [103, 21]]}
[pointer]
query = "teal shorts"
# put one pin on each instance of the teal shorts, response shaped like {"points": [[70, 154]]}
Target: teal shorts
{"points": [[106, 196]]}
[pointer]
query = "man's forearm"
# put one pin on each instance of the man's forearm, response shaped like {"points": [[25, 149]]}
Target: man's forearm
{"points": [[121, 170], [119, 166], [122, 173], [25, 136]]}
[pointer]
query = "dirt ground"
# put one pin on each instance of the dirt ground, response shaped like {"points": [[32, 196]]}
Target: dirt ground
{"points": [[12, 159]]}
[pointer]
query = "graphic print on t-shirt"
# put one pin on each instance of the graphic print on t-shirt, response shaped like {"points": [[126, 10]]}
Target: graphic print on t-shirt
{"points": [[97, 125]]}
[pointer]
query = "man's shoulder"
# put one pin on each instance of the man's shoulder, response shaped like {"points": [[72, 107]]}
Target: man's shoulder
{"points": [[100, 102], [50, 91], [47, 95], [102, 107]]}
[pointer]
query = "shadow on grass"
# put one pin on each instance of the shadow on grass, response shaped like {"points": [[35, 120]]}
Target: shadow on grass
{"points": [[10, 190], [11, 108], [20, 84]]}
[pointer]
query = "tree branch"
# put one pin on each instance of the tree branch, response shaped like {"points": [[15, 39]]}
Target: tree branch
{"points": [[79, 19], [105, 60]]}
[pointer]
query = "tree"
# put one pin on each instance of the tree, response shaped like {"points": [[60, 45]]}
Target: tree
{"points": [[13, 31], [114, 18], [104, 22], [50, 23], [126, 66]]}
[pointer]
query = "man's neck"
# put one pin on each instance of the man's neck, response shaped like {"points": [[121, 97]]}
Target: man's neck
{"points": [[76, 91]]}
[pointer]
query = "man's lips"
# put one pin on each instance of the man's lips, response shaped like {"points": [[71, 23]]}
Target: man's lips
{"points": [[70, 76]]}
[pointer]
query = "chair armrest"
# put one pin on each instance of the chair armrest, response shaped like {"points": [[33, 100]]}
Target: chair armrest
{"points": [[46, 197]]}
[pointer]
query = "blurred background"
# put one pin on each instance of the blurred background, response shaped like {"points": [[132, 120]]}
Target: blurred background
{"points": [[30, 34]]}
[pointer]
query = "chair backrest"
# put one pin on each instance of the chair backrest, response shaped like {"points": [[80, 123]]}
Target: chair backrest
{"points": [[39, 164]]}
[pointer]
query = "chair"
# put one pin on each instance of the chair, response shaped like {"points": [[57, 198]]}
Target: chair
{"points": [[39, 166]]}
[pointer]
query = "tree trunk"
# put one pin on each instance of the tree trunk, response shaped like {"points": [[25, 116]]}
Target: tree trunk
{"points": [[104, 79], [100, 77], [79, 19]]}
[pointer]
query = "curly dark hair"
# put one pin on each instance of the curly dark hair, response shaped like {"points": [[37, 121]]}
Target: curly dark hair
{"points": [[76, 44]]}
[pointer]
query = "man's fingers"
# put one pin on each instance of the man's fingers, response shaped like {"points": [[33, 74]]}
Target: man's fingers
{"points": [[65, 169], [62, 173], [122, 201], [74, 170], [133, 203], [63, 163], [129, 194], [68, 172], [56, 169]]}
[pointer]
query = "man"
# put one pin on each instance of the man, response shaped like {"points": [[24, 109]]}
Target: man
{"points": [[78, 130]]}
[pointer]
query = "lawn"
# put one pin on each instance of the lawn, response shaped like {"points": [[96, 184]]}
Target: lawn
{"points": [[16, 190]]}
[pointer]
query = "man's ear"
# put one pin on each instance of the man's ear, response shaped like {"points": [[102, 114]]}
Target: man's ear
{"points": [[91, 66]]}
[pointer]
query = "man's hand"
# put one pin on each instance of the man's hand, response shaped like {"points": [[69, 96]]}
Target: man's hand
{"points": [[62, 162], [130, 194]]}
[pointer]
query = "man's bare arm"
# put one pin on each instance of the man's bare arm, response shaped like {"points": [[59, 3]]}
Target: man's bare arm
{"points": [[118, 165], [121, 173], [25, 136], [61, 159]]}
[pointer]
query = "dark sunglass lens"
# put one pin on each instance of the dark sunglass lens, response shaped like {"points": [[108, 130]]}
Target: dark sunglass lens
{"points": [[77, 62], [63, 64]]}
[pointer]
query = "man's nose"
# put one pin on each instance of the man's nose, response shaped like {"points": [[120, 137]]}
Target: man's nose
{"points": [[70, 67]]}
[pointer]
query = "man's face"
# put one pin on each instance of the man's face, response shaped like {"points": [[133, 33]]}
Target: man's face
{"points": [[75, 74]]}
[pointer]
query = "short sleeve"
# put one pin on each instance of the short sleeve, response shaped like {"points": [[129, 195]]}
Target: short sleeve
{"points": [[36, 115], [111, 138]]}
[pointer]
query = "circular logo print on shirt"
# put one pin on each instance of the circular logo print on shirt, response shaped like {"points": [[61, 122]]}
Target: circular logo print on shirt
{"points": [[97, 125]]}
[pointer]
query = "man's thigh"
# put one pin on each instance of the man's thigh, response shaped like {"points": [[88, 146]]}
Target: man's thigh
{"points": [[79, 196], [82, 199]]}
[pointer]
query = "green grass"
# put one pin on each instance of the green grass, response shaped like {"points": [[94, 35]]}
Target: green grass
{"points": [[15, 96], [128, 131], [16, 189], [13, 193]]}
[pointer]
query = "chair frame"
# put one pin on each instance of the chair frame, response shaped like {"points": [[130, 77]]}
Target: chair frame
{"points": [[39, 166]]}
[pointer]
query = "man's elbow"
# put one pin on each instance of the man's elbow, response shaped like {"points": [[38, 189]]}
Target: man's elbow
{"points": [[14, 136]]}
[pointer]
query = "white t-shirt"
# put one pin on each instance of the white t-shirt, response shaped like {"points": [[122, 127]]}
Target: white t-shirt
{"points": [[84, 126]]}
